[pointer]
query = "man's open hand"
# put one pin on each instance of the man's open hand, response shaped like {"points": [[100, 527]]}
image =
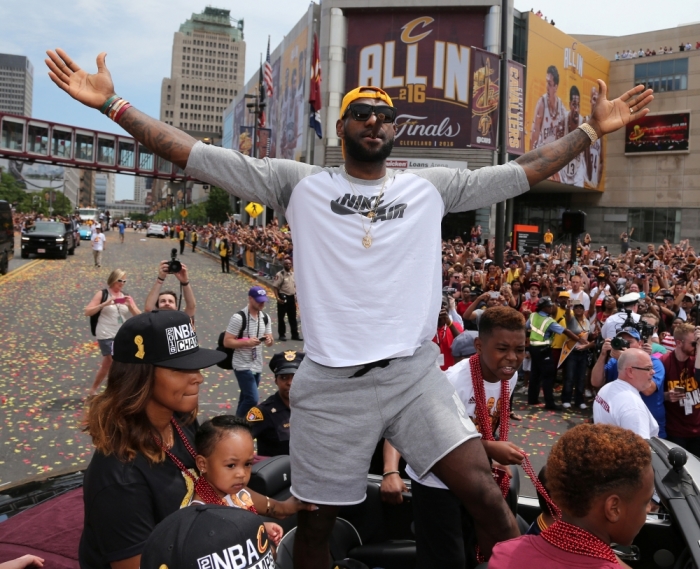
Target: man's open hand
{"points": [[609, 116], [91, 90]]}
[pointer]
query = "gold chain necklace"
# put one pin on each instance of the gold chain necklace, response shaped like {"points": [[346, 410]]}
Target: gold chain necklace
{"points": [[371, 214]]}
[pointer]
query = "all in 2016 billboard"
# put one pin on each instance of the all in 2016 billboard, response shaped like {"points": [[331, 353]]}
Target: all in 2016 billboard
{"points": [[424, 61], [561, 92]]}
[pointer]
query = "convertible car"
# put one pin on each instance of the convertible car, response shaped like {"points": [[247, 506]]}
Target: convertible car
{"points": [[44, 517]]}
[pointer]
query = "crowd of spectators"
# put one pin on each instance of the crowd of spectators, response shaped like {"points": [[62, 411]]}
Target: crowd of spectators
{"points": [[663, 50]]}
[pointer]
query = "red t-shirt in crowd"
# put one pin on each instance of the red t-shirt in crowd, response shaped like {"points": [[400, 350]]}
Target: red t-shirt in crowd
{"points": [[444, 339], [681, 374], [534, 551], [530, 305], [462, 307]]}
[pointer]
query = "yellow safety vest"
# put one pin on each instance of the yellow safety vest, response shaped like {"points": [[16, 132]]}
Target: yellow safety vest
{"points": [[538, 327]]}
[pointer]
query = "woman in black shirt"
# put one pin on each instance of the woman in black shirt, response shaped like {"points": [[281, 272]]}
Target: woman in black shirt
{"points": [[143, 429]]}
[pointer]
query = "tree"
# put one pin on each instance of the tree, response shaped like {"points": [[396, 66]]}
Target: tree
{"points": [[218, 206], [10, 189]]}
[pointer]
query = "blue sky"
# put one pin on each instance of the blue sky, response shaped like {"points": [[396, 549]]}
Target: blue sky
{"points": [[137, 36]]}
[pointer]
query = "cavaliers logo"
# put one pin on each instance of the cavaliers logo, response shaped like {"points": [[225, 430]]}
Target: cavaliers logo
{"points": [[262, 545]]}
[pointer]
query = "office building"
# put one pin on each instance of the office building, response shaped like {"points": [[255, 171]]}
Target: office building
{"points": [[207, 71], [142, 187], [104, 189], [16, 85]]}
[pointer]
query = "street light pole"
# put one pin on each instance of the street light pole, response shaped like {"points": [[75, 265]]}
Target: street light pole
{"points": [[502, 130]]}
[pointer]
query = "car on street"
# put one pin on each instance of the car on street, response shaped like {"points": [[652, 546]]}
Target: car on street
{"points": [[156, 230], [373, 533], [48, 238], [85, 232]]}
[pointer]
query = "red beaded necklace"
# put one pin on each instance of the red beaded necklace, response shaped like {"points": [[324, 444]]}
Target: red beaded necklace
{"points": [[573, 539], [483, 416], [201, 486], [484, 420]]}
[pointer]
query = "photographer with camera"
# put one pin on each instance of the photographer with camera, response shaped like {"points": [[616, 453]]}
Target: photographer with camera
{"points": [[605, 369], [447, 330], [159, 299]]}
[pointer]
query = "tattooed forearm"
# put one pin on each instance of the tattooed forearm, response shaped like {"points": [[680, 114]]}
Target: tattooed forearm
{"points": [[541, 163], [162, 139]]}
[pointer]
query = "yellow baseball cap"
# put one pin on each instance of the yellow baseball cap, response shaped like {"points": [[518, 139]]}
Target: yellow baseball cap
{"points": [[364, 92]]}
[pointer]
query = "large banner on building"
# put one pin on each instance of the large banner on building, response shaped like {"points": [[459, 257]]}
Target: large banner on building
{"points": [[289, 95], [422, 58], [668, 132], [561, 92], [484, 102], [516, 108]]}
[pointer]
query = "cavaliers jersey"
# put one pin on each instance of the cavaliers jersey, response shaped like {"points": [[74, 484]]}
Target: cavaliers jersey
{"points": [[575, 171], [596, 151], [552, 123]]}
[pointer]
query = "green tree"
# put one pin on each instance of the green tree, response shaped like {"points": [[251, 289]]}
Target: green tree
{"points": [[218, 206], [197, 214], [10, 189]]}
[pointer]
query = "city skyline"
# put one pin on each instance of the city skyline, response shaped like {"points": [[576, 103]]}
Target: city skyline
{"points": [[139, 36]]}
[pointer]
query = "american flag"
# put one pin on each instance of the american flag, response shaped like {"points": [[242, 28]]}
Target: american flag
{"points": [[267, 71]]}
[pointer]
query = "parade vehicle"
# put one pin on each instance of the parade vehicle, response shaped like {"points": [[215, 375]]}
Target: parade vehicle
{"points": [[88, 214], [44, 516], [49, 238], [85, 232], [155, 229]]}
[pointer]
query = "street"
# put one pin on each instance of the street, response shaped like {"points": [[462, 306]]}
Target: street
{"points": [[50, 358]]}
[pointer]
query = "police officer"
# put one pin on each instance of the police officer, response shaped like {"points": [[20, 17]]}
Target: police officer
{"points": [[542, 327], [270, 419]]}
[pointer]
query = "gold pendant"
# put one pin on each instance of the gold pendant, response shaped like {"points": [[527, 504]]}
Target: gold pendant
{"points": [[367, 241]]}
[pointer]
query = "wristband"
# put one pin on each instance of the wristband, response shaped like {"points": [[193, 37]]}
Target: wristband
{"points": [[107, 103], [121, 111], [185, 284], [161, 280], [390, 472], [589, 130]]}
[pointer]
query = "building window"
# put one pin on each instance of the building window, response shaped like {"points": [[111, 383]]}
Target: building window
{"points": [[653, 225], [663, 76]]}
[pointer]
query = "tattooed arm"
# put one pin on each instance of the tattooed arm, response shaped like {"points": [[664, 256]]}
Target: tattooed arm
{"points": [[608, 116], [93, 90]]}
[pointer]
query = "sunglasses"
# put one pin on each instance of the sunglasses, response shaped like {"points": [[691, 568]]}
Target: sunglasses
{"points": [[123, 281], [362, 112]]}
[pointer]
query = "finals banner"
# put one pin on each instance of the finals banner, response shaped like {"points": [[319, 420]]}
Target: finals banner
{"points": [[484, 99], [515, 102]]}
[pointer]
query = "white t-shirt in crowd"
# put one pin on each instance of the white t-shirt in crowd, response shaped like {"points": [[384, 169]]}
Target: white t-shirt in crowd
{"points": [[460, 375], [619, 403], [582, 296], [330, 214], [614, 323], [98, 241]]}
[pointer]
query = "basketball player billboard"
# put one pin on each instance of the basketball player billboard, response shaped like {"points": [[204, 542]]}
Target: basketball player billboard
{"points": [[423, 59], [667, 132], [561, 93]]}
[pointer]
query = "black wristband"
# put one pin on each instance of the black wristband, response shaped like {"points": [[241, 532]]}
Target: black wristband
{"points": [[185, 284], [161, 280]]}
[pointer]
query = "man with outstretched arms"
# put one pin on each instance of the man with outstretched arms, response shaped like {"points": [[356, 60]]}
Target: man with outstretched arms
{"points": [[367, 373]]}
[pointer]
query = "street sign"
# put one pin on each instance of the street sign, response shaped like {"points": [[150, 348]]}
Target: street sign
{"points": [[254, 209], [183, 213]]}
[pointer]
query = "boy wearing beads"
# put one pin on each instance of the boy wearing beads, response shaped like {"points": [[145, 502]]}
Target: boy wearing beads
{"points": [[601, 478], [484, 384]]}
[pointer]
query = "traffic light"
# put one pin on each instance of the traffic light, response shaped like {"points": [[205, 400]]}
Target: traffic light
{"points": [[573, 222]]}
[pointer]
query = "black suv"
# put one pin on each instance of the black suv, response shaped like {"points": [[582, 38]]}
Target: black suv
{"points": [[49, 238]]}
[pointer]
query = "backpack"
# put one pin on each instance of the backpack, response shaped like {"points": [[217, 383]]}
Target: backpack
{"points": [[95, 317], [226, 363]]}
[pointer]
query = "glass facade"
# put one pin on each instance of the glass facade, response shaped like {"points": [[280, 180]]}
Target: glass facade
{"points": [[653, 225], [663, 76]]}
